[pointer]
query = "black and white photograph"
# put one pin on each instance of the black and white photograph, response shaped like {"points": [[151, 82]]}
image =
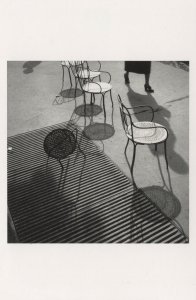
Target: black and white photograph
{"points": [[98, 151]]}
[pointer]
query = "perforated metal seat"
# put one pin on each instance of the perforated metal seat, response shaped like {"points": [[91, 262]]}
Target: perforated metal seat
{"points": [[59, 144], [97, 87], [147, 133]]}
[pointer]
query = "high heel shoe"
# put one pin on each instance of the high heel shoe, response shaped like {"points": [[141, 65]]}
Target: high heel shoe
{"points": [[126, 79], [148, 88]]}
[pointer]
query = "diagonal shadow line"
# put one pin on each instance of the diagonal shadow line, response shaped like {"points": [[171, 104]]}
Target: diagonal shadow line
{"points": [[178, 99], [12, 236]]}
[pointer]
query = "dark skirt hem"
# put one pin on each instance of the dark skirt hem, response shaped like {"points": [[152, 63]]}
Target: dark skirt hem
{"points": [[140, 67]]}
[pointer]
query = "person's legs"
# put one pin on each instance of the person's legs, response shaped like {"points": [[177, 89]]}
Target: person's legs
{"points": [[126, 76], [147, 85], [147, 78]]}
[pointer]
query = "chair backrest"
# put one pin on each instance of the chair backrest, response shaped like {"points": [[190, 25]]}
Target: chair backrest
{"points": [[128, 121], [125, 116], [80, 67]]}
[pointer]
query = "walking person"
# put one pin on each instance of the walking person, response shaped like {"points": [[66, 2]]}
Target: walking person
{"points": [[139, 67]]}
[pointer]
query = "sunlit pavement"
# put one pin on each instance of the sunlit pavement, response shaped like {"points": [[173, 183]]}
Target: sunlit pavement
{"points": [[32, 90]]}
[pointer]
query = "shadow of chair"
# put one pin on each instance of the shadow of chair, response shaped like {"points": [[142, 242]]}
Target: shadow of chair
{"points": [[165, 200], [71, 92], [38, 200], [60, 144]]}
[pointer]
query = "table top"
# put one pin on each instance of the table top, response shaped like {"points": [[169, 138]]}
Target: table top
{"points": [[60, 143]]}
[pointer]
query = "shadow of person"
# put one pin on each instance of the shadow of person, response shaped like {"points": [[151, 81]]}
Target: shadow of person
{"points": [[29, 65], [161, 116], [38, 205]]}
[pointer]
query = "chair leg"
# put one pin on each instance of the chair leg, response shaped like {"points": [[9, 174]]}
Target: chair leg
{"points": [[63, 78], [70, 77], [85, 116], [84, 103], [76, 84], [81, 150], [104, 107], [111, 98], [133, 159], [91, 99], [112, 108], [61, 164], [165, 148], [126, 146], [101, 101]]}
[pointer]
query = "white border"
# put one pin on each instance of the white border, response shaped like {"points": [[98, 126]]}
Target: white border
{"points": [[104, 30]]}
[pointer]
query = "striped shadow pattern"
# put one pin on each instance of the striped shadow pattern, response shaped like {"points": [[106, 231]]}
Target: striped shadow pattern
{"points": [[89, 201]]}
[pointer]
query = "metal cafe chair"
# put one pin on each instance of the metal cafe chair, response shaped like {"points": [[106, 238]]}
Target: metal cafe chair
{"points": [[60, 143], [88, 85], [84, 74], [84, 71], [142, 133]]}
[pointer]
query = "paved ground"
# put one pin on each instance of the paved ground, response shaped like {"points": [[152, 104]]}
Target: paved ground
{"points": [[32, 88]]}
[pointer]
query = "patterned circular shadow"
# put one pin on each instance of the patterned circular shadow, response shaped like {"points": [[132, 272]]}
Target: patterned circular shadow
{"points": [[99, 131], [88, 110], [166, 201], [71, 93]]}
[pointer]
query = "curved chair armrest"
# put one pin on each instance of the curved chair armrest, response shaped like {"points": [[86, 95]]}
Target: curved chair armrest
{"points": [[99, 63], [151, 127], [95, 70], [138, 106], [108, 74]]}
